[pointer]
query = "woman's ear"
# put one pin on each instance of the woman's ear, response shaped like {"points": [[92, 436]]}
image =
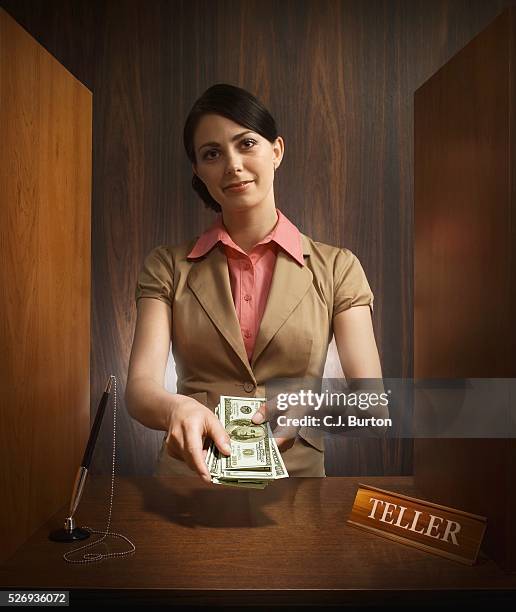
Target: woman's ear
{"points": [[194, 170], [278, 148]]}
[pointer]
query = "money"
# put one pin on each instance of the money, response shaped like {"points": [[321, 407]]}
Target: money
{"points": [[255, 459]]}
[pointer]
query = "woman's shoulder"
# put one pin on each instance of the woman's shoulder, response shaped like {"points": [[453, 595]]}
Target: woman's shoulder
{"points": [[326, 255], [172, 253], [339, 273]]}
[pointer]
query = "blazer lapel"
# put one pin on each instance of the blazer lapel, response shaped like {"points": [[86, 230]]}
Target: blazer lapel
{"points": [[290, 282], [209, 281]]}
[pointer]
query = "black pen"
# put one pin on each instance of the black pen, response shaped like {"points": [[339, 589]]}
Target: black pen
{"points": [[71, 532]]}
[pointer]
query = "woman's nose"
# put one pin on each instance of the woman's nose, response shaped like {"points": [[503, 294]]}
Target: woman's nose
{"points": [[233, 163]]}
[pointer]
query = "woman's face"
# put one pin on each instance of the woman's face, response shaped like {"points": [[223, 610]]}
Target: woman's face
{"points": [[229, 153]]}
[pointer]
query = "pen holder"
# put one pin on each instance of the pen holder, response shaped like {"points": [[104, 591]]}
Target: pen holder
{"points": [[69, 532]]}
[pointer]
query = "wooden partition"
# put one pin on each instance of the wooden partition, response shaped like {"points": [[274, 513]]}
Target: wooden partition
{"points": [[465, 266], [45, 272]]}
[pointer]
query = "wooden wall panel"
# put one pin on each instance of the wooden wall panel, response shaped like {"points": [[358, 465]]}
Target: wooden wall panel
{"points": [[339, 76], [45, 290], [465, 274]]}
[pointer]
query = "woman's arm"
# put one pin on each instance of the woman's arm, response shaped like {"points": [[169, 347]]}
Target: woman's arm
{"points": [[356, 345], [187, 421], [146, 398]]}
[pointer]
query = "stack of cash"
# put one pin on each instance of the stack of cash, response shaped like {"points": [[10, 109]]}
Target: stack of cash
{"points": [[255, 460]]}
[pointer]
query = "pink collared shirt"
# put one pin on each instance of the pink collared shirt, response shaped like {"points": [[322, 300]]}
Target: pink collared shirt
{"points": [[250, 274]]}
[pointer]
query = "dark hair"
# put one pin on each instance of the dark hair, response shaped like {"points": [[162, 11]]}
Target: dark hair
{"points": [[233, 103]]}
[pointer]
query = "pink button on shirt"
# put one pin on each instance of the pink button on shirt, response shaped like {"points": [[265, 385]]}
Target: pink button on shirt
{"points": [[250, 274]]}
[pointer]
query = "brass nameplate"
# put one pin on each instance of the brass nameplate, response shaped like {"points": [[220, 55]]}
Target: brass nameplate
{"points": [[437, 529]]}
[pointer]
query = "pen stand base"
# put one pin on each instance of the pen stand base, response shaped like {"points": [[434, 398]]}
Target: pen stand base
{"points": [[63, 535]]}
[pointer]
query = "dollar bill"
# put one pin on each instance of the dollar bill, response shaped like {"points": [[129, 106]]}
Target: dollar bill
{"points": [[255, 459]]}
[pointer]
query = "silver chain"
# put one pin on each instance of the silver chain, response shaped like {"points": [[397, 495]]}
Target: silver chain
{"points": [[92, 557]]}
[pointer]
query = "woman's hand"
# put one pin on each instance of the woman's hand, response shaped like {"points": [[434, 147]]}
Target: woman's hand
{"points": [[287, 435], [191, 424]]}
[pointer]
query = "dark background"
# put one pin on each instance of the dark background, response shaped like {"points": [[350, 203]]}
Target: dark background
{"points": [[338, 76]]}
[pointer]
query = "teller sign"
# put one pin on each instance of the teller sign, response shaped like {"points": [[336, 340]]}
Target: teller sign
{"points": [[437, 529]]}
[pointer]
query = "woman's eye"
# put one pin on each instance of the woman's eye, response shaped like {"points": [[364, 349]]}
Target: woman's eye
{"points": [[208, 153], [249, 140]]}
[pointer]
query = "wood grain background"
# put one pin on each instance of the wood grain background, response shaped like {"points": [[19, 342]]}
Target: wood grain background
{"points": [[465, 249], [45, 282], [339, 77]]}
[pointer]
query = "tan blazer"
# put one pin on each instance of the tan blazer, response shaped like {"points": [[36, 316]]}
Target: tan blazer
{"points": [[295, 331]]}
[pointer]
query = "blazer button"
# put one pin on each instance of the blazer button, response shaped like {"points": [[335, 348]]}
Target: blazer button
{"points": [[248, 387]]}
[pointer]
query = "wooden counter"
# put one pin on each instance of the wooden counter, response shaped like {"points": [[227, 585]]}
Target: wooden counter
{"points": [[198, 543]]}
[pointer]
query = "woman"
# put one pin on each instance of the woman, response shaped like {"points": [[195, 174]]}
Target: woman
{"points": [[250, 300]]}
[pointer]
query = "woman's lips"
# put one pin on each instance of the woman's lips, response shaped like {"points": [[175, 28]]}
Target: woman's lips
{"points": [[239, 188]]}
